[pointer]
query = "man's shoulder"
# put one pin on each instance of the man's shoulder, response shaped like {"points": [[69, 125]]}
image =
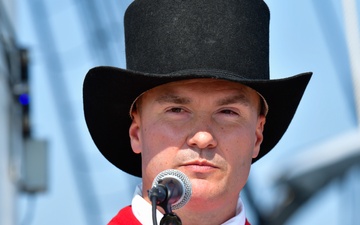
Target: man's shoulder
{"points": [[124, 217]]}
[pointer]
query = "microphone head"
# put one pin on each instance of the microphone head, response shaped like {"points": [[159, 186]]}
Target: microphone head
{"points": [[182, 183]]}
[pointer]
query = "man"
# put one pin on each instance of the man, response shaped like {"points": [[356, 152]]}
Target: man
{"points": [[195, 97]]}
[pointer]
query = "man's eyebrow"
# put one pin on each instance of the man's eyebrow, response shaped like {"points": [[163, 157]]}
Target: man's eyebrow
{"points": [[172, 98], [240, 98]]}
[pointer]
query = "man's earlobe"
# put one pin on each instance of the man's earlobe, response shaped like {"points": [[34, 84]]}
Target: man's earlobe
{"points": [[134, 133]]}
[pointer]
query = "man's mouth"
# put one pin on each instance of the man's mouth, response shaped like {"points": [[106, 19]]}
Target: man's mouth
{"points": [[199, 166]]}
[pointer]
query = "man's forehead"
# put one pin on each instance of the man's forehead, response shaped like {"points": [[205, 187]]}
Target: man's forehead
{"points": [[241, 89], [184, 92], [176, 91], [182, 98]]}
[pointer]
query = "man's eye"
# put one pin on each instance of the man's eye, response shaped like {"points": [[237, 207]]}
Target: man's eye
{"points": [[229, 112], [176, 110]]}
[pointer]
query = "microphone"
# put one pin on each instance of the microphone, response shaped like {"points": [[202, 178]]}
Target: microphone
{"points": [[175, 185], [172, 189]]}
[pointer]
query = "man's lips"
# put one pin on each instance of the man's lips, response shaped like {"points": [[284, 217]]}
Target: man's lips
{"points": [[200, 163], [200, 166]]}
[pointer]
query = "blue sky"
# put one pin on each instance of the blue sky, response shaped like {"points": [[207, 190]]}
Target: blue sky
{"points": [[304, 36]]}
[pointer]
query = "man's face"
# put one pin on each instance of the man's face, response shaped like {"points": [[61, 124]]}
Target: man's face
{"points": [[209, 129]]}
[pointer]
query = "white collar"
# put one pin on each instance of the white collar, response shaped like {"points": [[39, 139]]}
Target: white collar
{"points": [[143, 210]]}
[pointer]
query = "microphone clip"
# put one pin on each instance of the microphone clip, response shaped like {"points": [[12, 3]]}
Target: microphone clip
{"points": [[171, 189], [164, 194], [170, 219], [161, 195]]}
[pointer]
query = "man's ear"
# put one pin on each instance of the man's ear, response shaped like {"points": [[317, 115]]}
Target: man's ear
{"points": [[259, 135], [134, 133]]}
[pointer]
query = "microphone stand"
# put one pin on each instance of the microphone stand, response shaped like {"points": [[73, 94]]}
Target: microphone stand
{"points": [[170, 219], [158, 196]]}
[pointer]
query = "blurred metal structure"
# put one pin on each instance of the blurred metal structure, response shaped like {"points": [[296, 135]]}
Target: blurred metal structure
{"points": [[10, 115], [311, 171], [65, 111], [306, 175], [352, 32]]}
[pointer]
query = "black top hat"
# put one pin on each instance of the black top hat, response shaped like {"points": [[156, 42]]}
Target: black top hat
{"points": [[172, 40]]}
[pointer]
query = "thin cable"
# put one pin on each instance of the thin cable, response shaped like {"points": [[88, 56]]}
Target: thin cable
{"points": [[153, 204]]}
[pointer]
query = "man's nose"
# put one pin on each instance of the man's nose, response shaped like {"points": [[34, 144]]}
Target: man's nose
{"points": [[202, 139]]}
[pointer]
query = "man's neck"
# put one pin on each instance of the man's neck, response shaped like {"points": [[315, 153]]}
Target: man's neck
{"points": [[197, 212], [209, 214]]}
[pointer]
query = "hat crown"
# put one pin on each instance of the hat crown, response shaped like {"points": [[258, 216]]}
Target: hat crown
{"points": [[166, 36]]}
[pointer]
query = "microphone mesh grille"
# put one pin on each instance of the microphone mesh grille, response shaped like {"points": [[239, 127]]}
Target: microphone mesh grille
{"points": [[180, 176]]}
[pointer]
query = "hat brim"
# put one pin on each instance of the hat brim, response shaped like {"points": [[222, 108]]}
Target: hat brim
{"points": [[108, 93]]}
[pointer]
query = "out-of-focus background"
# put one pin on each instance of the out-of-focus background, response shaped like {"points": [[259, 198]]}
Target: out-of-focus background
{"points": [[52, 173]]}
